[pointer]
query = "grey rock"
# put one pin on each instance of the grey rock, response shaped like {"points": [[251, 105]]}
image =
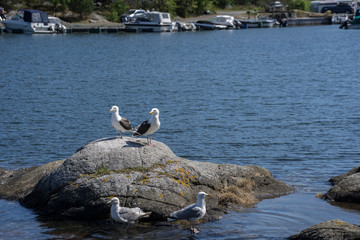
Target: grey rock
{"points": [[337, 179], [346, 188], [150, 177], [329, 230], [15, 185]]}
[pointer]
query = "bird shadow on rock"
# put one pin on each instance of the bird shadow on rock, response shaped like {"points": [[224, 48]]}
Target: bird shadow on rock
{"points": [[134, 144]]}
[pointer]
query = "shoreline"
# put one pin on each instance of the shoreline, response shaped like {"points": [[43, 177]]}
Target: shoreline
{"points": [[98, 24]]}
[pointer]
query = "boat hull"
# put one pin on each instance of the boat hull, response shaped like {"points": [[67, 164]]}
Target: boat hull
{"points": [[258, 24], [208, 25], [13, 26], [139, 27]]}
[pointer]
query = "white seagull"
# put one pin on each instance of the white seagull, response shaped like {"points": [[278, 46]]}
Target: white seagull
{"points": [[192, 212], [148, 127], [119, 123], [125, 215]]}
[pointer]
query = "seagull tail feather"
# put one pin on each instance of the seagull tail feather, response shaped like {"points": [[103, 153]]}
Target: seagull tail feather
{"points": [[136, 134], [146, 215]]}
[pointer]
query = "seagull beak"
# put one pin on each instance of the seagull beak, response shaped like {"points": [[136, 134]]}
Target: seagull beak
{"points": [[111, 110], [209, 195], [150, 112]]}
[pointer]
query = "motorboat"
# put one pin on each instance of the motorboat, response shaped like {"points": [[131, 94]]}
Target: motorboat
{"points": [[219, 22], [209, 25], [32, 21], [259, 22], [151, 22], [226, 20]]}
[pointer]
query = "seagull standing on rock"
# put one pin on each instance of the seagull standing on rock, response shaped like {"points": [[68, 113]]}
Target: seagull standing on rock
{"points": [[192, 212], [119, 123], [148, 127], [125, 215]]}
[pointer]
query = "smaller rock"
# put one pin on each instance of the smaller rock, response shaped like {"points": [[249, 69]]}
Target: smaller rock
{"points": [[15, 185], [337, 179], [329, 230], [346, 188]]}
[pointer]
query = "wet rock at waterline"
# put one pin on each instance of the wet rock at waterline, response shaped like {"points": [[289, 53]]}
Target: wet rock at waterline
{"points": [[329, 230], [150, 177], [346, 187]]}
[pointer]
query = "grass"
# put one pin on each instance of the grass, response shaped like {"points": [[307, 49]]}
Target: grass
{"points": [[238, 195]]}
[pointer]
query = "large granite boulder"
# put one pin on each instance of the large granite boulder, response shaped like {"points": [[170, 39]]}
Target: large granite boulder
{"points": [[330, 230], [150, 177], [346, 187]]}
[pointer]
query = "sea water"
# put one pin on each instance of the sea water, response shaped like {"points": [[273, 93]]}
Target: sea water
{"points": [[286, 99]]}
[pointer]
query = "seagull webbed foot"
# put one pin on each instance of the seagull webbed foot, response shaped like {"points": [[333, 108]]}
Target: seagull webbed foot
{"points": [[194, 230]]}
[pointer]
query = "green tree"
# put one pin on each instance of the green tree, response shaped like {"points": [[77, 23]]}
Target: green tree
{"points": [[117, 8], [300, 5], [202, 6], [82, 7], [61, 5], [163, 5], [185, 8], [223, 3]]}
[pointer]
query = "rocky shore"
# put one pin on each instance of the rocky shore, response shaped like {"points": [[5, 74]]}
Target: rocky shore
{"points": [[150, 177]]}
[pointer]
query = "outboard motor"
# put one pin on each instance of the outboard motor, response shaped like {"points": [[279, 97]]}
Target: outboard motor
{"points": [[237, 24]]}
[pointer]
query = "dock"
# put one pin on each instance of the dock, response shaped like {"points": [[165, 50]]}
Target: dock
{"points": [[95, 29], [308, 21]]}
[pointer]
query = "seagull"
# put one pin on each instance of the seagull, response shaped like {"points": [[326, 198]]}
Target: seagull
{"points": [[148, 127], [125, 215], [192, 212], [119, 123]]}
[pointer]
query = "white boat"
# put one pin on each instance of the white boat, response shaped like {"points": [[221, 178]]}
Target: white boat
{"points": [[151, 22], [259, 23], [31, 21], [226, 20]]}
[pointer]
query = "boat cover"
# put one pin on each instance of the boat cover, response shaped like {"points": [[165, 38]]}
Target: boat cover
{"points": [[35, 16]]}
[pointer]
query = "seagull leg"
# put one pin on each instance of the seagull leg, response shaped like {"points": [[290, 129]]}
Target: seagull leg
{"points": [[121, 134], [193, 230], [150, 144]]}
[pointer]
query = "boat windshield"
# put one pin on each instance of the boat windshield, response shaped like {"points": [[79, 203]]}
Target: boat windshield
{"points": [[20, 14]]}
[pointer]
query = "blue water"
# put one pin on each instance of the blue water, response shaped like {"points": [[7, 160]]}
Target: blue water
{"points": [[285, 99]]}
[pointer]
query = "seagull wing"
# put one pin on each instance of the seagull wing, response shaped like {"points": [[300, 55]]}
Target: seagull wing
{"points": [[125, 123], [189, 212], [131, 214], [142, 128]]}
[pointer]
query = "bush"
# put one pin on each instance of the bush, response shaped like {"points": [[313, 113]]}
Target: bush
{"points": [[82, 7], [300, 5]]}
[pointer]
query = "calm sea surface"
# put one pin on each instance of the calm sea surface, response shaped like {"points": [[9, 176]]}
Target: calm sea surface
{"points": [[285, 99]]}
